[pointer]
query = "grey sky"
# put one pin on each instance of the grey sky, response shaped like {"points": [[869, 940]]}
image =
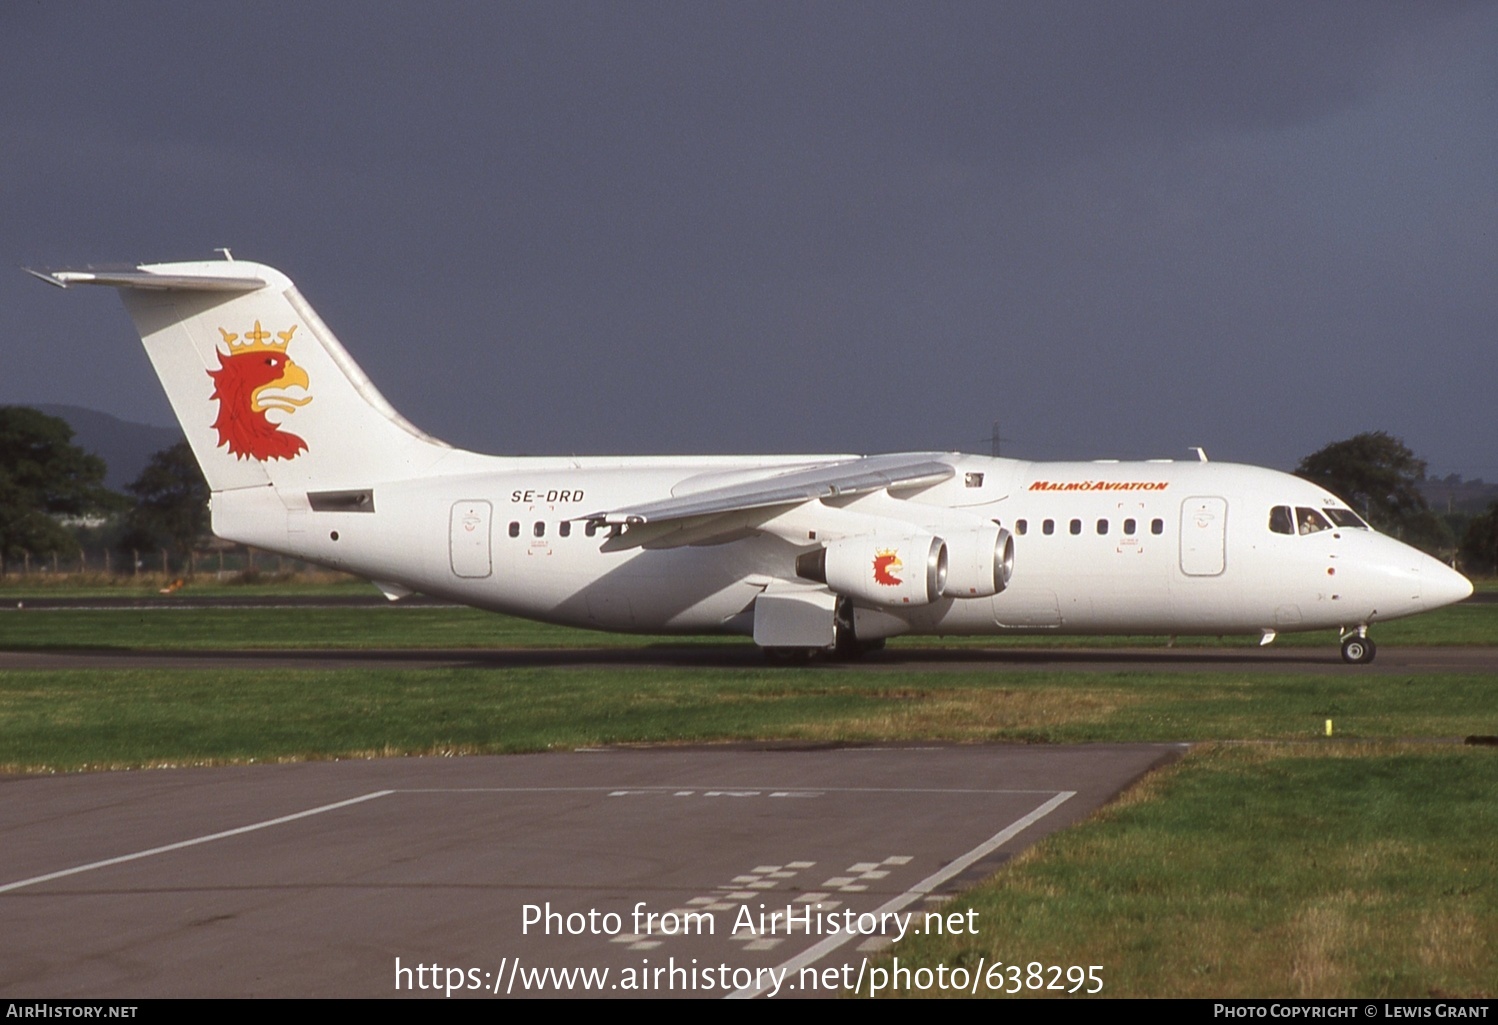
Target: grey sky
{"points": [[1119, 228]]}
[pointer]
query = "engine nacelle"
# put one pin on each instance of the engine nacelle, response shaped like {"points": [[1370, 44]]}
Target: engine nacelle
{"points": [[883, 570], [979, 562]]}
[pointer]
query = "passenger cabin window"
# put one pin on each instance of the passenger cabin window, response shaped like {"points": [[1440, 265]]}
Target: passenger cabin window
{"points": [[1280, 520], [1102, 526], [1157, 526], [1076, 526], [514, 528], [1310, 521], [1129, 527], [592, 528], [1021, 526], [1048, 527], [565, 528], [539, 529]]}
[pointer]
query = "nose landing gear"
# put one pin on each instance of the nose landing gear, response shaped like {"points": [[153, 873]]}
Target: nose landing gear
{"points": [[1357, 647]]}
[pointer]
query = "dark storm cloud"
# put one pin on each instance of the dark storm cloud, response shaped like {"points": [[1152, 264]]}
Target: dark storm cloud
{"points": [[1120, 228]]}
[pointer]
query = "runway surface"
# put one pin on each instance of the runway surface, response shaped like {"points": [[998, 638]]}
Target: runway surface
{"points": [[1391, 660], [769, 870]]}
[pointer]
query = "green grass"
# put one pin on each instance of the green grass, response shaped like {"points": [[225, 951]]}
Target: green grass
{"points": [[1263, 871], [66, 720]]}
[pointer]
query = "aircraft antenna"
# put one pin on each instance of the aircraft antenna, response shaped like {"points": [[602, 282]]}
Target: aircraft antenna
{"points": [[227, 255], [1201, 453]]}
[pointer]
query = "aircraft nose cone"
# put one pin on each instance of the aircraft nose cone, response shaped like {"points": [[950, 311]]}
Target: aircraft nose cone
{"points": [[1443, 585]]}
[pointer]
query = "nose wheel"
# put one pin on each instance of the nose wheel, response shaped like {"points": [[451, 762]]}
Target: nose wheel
{"points": [[1358, 649]]}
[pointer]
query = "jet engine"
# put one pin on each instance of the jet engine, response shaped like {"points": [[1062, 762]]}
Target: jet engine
{"points": [[979, 562], [883, 570]]}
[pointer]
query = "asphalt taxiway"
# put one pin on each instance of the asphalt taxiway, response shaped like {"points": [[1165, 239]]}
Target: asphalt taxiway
{"points": [[767, 870]]}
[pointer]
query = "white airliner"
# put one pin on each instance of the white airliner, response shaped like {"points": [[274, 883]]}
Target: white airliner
{"points": [[805, 553]]}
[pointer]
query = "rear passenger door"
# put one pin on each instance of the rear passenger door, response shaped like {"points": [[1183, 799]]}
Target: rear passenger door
{"points": [[469, 542]]}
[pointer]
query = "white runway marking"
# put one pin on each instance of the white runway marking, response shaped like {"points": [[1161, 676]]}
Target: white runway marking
{"points": [[179, 845], [91, 866], [820, 950]]}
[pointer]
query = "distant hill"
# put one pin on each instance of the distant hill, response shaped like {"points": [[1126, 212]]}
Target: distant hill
{"points": [[125, 447]]}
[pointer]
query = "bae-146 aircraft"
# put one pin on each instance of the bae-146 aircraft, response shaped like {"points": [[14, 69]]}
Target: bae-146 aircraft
{"points": [[830, 553]]}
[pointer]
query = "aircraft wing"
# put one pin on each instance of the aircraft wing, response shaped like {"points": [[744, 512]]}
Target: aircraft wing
{"points": [[852, 477]]}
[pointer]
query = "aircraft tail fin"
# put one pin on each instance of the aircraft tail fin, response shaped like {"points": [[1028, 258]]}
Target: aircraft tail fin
{"points": [[264, 390]]}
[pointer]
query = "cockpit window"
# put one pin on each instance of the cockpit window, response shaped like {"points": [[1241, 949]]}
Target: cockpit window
{"points": [[1280, 520], [1347, 518], [1310, 521]]}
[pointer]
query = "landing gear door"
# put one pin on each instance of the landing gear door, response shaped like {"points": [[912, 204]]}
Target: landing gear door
{"points": [[795, 617], [468, 539], [1204, 534]]}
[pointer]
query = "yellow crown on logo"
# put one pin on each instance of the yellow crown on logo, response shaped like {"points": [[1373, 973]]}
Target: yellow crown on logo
{"points": [[258, 340]]}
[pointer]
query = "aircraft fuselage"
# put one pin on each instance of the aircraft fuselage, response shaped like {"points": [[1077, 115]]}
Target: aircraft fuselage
{"points": [[1147, 548]]}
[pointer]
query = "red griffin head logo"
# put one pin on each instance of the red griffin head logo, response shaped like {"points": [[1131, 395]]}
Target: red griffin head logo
{"points": [[886, 564], [251, 378]]}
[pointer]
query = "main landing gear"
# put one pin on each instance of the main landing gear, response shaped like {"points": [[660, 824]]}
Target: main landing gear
{"points": [[1357, 647]]}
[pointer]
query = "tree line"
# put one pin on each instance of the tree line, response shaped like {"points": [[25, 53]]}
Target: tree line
{"points": [[53, 498], [53, 501]]}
